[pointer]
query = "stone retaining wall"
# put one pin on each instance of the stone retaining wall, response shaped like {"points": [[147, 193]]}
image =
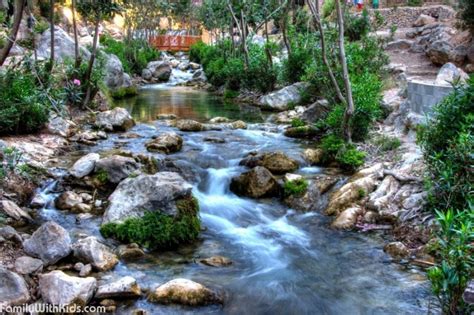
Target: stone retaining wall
{"points": [[424, 95], [404, 17]]}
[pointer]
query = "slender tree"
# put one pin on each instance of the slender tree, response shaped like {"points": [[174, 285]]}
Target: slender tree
{"points": [[345, 74], [315, 12], [97, 11], [51, 29], [77, 56], [17, 16]]}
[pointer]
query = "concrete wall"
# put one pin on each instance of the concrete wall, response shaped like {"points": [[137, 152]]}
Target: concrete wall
{"points": [[424, 95]]}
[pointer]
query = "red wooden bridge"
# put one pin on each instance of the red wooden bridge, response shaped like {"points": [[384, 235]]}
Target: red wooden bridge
{"points": [[174, 42]]}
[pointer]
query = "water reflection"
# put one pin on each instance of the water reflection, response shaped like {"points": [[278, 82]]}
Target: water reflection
{"points": [[157, 99]]}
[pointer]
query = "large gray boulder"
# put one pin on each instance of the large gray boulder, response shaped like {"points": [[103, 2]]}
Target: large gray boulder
{"points": [[85, 165], [63, 45], [57, 288], [256, 183], [134, 196], [89, 250], [58, 125], [115, 77], [185, 292], [26, 265], [116, 167], [117, 119], [281, 99], [159, 70], [13, 289], [440, 52], [50, 243]]}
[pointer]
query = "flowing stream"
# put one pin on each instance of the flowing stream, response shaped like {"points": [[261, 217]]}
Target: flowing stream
{"points": [[284, 261]]}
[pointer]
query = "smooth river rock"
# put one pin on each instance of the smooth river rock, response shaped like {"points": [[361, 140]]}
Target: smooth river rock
{"points": [[134, 196], [116, 167], [85, 165], [166, 143], [50, 242], [256, 183], [281, 99], [185, 292], [26, 265], [117, 119]]}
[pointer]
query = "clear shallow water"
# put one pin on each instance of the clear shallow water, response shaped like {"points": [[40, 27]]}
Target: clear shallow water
{"points": [[284, 261]]}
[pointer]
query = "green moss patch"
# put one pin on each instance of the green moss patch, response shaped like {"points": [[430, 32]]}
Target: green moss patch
{"points": [[124, 92]]}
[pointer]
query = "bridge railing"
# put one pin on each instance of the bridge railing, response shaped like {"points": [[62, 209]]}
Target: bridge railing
{"points": [[174, 42]]}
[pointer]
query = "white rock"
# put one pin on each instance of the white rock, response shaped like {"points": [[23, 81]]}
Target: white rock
{"points": [[85, 165]]}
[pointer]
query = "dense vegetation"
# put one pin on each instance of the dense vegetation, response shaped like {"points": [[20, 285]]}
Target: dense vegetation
{"points": [[448, 144]]}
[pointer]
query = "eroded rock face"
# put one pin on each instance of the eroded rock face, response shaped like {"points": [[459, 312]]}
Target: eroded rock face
{"points": [[134, 196], [85, 165], [115, 77], [350, 193], [117, 119], [281, 99], [384, 194], [275, 162], [347, 218], [90, 250], [313, 156], [185, 292], [13, 288], [423, 20], [166, 143], [126, 287], [189, 125], [58, 288], [256, 183], [449, 74], [50, 243], [158, 71], [468, 295], [116, 167], [439, 52]]}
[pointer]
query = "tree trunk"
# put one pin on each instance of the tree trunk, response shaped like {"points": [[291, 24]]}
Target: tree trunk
{"points": [[244, 39], [314, 8], [51, 28], [283, 26], [18, 14], [76, 40], [345, 73], [91, 64]]}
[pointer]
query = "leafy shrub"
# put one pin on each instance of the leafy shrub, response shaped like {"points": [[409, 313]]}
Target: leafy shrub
{"points": [[77, 74], [301, 57], [158, 230], [328, 8], [295, 187], [229, 94], [23, 107], [40, 26], [455, 248], [357, 26], [337, 150], [297, 122], [448, 144], [134, 54]]}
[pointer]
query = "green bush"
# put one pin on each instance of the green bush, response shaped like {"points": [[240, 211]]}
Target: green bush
{"points": [[387, 143], [301, 57], [23, 107], [297, 122], [454, 245], [335, 149], [158, 230], [295, 187], [124, 92], [448, 145], [328, 8], [134, 54], [357, 27], [40, 26]]}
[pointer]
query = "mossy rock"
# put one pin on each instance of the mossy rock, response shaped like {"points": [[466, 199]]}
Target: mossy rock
{"points": [[156, 230], [302, 132]]}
